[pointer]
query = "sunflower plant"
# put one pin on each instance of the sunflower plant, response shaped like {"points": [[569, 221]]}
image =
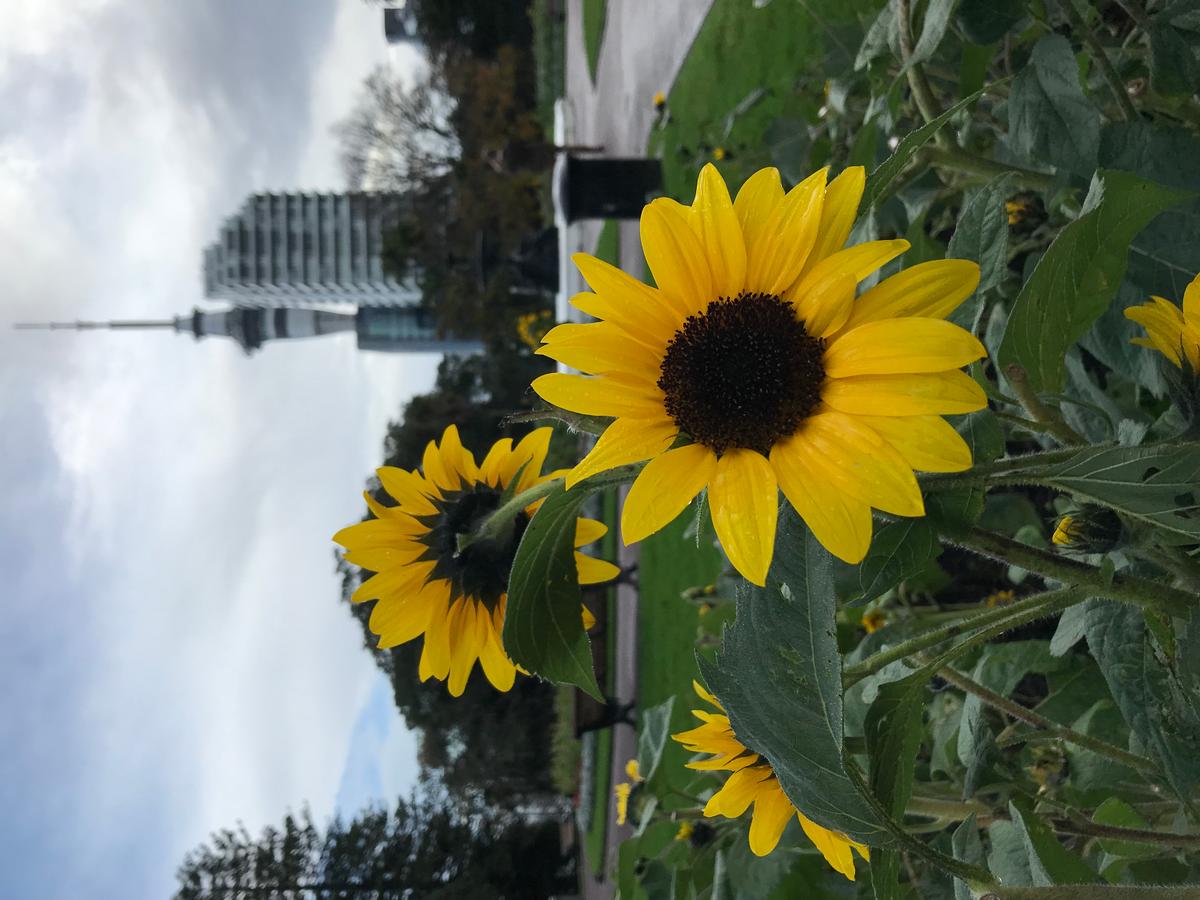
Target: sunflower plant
{"points": [[928, 374]]}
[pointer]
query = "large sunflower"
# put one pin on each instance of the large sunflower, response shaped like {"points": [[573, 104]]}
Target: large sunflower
{"points": [[425, 584], [1174, 332], [753, 366], [753, 781]]}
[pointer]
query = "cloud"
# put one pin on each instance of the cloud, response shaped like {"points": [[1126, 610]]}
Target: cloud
{"points": [[176, 658]]}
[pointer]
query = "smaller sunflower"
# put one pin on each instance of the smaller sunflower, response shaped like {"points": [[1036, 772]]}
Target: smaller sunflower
{"points": [[1173, 332], [754, 782], [425, 583], [1064, 532]]}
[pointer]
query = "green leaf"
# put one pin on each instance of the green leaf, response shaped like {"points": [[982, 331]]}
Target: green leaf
{"points": [[654, 727], [1000, 668], [1173, 67], [1077, 278], [543, 629], [1008, 860], [1161, 712], [879, 184], [778, 675], [986, 21], [967, 848], [1050, 863], [1069, 631], [1049, 118], [933, 29], [787, 144], [1158, 485], [879, 36], [982, 235], [1115, 811], [961, 508], [893, 731], [898, 551]]}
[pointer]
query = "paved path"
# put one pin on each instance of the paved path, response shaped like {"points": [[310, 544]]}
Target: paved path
{"points": [[644, 44]]}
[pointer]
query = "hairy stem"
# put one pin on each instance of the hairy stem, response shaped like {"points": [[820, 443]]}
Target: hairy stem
{"points": [[1039, 411], [922, 91], [948, 157], [1088, 579], [1091, 892], [1001, 619], [1037, 720]]}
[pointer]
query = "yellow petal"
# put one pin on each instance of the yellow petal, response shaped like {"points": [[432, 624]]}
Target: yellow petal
{"points": [[394, 532], [864, 465], [703, 693], [489, 469], [675, 255], [664, 489], [939, 394], [395, 583], [465, 641], [527, 459], [716, 224], [772, 811], [436, 471], [618, 288], [931, 289], [926, 443], [624, 441], [840, 522], [835, 847], [399, 621], [761, 193], [497, 667], [435, 652], [744, 500], [825, 307], [589, 620], [1164, 324], [838, 213], [651, 324], [1191, 301], [588, 530], [456, 457], [594, 571], [901, 346], [406, 489], [779, 250], [738, 792], [601, 395], [857, 262], [379, 559], [597, 348]]}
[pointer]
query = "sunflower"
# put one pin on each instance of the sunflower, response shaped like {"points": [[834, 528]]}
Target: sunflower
{"points": [[753, 781], [1173, 332], [753, 367], [425, 584]]}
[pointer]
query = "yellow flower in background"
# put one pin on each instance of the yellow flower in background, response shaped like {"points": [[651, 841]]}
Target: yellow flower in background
{"points": [[685, 830], [719, 153], [1064, 532], [424, 583], [999, 598], [757, 359], [1173, 332], [660, 99], [633, 772], [754, 782], [873, 621], [622, 792], [531, 326]]}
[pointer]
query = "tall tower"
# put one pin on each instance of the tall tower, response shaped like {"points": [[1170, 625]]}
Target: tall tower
{"points": [[303, 249], [388, 329]]}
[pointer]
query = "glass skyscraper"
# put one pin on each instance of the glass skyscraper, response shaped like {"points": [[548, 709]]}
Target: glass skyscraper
{"points": [[303, 249]]}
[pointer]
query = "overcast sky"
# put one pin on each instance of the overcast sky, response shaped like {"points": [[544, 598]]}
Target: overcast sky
{"points": [[174, 657]]}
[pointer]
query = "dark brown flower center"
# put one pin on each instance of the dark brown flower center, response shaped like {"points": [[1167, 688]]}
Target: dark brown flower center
{"points": [[743, 373], [479, 570]]}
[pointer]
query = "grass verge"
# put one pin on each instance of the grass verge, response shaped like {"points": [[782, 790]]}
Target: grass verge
{"points": [[594, 14]]}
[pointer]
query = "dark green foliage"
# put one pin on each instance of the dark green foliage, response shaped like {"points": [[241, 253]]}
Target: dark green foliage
{"points": [[428, 847]]}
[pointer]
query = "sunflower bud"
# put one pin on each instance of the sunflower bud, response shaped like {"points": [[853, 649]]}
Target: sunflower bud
{"points": [[1089, 529]]}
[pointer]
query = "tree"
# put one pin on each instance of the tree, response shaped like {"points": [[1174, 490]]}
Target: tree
{"points": [[429, 847]]}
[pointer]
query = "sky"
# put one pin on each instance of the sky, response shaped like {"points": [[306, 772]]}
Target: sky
{"points": [[175, 656]]}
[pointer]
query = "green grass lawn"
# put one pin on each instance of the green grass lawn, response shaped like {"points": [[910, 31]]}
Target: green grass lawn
{"points": [[594, 14], [748, 102]]}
